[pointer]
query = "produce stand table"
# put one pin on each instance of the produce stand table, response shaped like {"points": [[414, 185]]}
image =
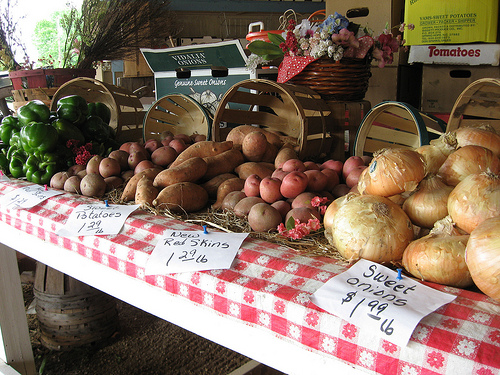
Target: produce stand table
{"points": [[259, 307]]}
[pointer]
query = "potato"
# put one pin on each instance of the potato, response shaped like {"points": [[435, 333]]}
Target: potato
{"points": [[284, 154], [283, 207], [246, 169], [237, 134], [227, 186], [145, 192], [93, 185], [252, 185], [316, 180], [231, 199], [58, 179], [303, 200], [293, 165], [212, 185], [269, 189], [135, 157], [242, 208], [152, 144], [109, 167], [164, 156], [202, 149], [143, 165], [263, 217], [72, 185], [75, 169], [121, 156], [302, 214], [178, 145], [270, 154], [182, 197], [131, 186], [113, 182], [254, 146], [93, 164], [190, 170], [293, 184], [224, 162]]}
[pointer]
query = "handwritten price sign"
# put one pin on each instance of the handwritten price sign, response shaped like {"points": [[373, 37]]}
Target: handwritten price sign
{"points": [[184, 251], [374, 297], [27, 196], [96, 219]]}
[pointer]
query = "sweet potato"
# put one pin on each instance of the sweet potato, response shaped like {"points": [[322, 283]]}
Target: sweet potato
{"points": [[145, 192], [249, 168], [224, 162], [182, 197], [190, 170], [202, 149], [131, 186], [212, 185], [226, 187]]}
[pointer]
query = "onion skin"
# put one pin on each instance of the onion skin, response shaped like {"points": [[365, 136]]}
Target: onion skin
{"points": [[392, 171], [483, 257], [439, 259], [370, 227], [428, 203], [480, 137], [468, 160], [474, 200]]}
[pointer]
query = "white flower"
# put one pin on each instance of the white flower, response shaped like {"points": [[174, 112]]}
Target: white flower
{"points": [[466, 347], [366, 359], [263, 259], [264, 319], [160, 281], [234, 309], [208, 299], [481, 317], [294, 331], [408, 370], [184, 290], [328, 344]]}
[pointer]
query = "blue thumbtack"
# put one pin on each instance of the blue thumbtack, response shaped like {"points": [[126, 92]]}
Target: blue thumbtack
{"points": [[106, 203], [205, 229], [399, 277]]}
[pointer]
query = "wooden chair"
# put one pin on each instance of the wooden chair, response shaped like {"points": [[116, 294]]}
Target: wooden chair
{"points": [[395, 124]]}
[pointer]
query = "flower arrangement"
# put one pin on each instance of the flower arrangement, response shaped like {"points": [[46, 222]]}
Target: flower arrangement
{"points": [[335, 37]]}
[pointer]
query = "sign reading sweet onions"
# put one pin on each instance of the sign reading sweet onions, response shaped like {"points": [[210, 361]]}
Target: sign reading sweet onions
{"points": [[376, 298]]}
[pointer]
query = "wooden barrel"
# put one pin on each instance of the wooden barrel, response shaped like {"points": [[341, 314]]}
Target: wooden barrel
{"points": [[71, 313]]}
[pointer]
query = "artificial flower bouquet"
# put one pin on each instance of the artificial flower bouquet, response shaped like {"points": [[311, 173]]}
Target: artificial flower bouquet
{"points": [[336, 38]]}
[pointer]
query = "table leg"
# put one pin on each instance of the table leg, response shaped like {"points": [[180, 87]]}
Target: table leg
{"points": [[15, 344]]}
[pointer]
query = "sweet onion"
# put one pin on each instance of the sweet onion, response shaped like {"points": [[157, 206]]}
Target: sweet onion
{"points": [[435, 153], [474, 200], [480, 136], [439, 257], [392, 171], [370, 227], [428, 203], [482, 255], [468, 160]]}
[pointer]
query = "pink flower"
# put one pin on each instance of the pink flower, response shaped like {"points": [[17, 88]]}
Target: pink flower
{"points": [[435, 359], [345, 38]]}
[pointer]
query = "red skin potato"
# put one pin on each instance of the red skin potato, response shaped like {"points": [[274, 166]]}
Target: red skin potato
{"points": [[164, 156], [184, 137], [144, 164], [303, 200], [340, 190], [353, 177], [270, 189], [252, 185], [335, 165], [293, 165], [135, 158], [333, 178], [263, 217], [279, 173], [283, 207], [351, 163], [109, 167], [310, 165], [303, 214], [293, 184], [137, 147], [165, 141], [316, 180], [121, 156], [178, 145]]}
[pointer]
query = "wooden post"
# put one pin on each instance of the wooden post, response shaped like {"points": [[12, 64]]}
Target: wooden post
{"points": [[15, 344]]}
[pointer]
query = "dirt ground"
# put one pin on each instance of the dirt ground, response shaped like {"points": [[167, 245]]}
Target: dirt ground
{"points": [[144, 344]]}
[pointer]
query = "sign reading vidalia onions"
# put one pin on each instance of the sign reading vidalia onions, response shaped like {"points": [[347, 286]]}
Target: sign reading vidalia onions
{"points": [[377, 299]]}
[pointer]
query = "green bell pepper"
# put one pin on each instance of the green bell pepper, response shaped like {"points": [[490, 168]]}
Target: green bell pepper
{"points": [[67, 131], [101, 110], [38, 136], [72, 108], [94, 129], [15, 139], [4, 162], [11, 120], [17, 165], [6, 131], [35, 110], [39, 172]]}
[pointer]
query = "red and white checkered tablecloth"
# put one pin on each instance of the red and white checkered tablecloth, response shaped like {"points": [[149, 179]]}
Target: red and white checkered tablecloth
{"points": [[268, 287]]}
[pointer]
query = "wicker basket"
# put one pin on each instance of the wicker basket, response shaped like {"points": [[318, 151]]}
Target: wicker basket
{"points": [[479, 103], [177, 113], [393, 125], [345, 80], [23, 96], [294, 111], [127, 111], [71, 313]]}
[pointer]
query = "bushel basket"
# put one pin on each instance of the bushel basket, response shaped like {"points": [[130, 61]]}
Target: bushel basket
{"points": [[345, 80]]}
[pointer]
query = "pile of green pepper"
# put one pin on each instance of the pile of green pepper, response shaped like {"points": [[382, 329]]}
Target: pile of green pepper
{"points": [[37, 143]]}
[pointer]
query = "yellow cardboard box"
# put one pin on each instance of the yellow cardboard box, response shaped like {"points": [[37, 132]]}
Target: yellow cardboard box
{"points": [[451, 22]]}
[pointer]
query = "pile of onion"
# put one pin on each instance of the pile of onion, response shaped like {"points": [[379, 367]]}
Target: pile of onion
{"points": [[467, 160], [369, 227], [435, 153], [439, 257], [428, 203], [482, 255], [474, 200], [392, 171]]}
